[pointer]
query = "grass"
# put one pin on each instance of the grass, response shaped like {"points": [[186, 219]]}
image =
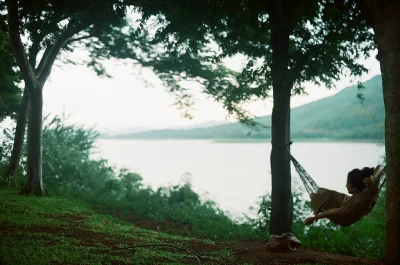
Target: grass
{"points": [[64, 231], [57, 230]]}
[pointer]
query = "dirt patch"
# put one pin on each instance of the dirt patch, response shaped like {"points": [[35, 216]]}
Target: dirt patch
{"points": [[86, 237], [243, 251], [255, 252], [247, 251]]}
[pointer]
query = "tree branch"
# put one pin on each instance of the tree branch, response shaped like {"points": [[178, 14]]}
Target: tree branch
{"points": [[80, 38], [33, 52], [40, 66], [18, 49], [50, 54]]}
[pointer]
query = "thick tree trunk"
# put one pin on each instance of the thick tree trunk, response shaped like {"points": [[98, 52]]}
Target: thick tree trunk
{"points": [[34, 168], [391, 85], [387, 33], [281, 194], [19, 135]]}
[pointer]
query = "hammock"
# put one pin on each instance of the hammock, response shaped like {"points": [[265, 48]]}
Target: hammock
{"points": [[349, 209]]}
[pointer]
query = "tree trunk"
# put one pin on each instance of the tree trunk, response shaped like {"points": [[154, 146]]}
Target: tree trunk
{"points": [[34, 168], [281, 194], [19, 136], [35, 81], [387, 33]]}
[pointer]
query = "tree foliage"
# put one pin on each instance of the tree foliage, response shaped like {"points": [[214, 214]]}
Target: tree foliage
{"points": [[10, 93], [327, 38]]}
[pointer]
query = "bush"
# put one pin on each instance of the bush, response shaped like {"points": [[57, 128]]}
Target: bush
{"points": [[69, 170]]}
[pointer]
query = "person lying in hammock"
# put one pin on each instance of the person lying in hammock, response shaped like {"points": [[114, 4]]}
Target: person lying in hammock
{"points": [[330, 204]]}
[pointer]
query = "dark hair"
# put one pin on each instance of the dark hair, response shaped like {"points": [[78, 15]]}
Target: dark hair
{"points": [[356, 177], [367, 172]]}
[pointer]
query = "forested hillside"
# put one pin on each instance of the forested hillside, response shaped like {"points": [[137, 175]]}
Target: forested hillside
{"points": [[339, 117]]}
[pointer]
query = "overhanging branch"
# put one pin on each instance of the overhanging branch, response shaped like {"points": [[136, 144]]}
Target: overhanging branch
{"points": [[80, 38], [18, 49], [50, 54], [33, 52]]}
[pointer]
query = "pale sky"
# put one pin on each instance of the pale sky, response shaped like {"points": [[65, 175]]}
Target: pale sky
{"points": [[125, 101]]}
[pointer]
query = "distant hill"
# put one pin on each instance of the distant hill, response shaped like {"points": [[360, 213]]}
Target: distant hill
{"points": [[107, 132], [338, 117], [118, 132]]}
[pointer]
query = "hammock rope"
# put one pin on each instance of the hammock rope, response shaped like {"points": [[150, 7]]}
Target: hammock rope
{"points": [[308, 182], [383, 179]]}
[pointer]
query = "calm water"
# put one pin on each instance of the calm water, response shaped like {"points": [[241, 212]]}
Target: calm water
{"points": [[234, 174]]}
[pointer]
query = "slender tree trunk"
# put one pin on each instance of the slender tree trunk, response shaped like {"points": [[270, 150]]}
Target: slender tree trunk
{"points": [[387, 31], [19, 135], [281, 194], [35, 152], [288, 139]]}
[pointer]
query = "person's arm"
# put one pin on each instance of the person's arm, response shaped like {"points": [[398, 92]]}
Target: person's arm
{"points": [[372, 185], [322, 215]]}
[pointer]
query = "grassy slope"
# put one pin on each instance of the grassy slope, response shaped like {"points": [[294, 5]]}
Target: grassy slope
{"points": [[339, 117], [63, 231], [55, 230]]}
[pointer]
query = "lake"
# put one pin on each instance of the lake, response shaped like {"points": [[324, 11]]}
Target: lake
{"points": [[234, 174]]}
